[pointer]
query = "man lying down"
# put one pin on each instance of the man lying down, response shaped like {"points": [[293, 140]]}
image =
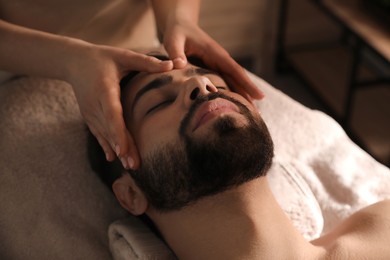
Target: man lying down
{"points": [[205, 153]]}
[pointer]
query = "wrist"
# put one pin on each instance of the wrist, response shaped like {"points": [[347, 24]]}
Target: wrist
{"points": [[171, 13], [75, 55]]}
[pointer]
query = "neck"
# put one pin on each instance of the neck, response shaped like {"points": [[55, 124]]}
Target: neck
{"points": [[243, 223]]}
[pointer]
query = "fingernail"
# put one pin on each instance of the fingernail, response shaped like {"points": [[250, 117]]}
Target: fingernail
{"points": [[107, 157], [130, 162], [166, 65], [124, 163], [117, 149], [165, 61]]}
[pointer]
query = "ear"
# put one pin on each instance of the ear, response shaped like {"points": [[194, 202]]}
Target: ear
{"points": [[130, 195]]}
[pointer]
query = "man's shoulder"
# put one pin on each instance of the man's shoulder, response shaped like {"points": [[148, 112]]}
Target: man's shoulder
{"points": [[373, 217], [383, 207], [368, 219], [365, 234]]}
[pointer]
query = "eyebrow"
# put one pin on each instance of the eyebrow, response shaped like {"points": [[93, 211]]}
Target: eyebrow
{"points": [[166, 79], [154, 84], [200, 71]]}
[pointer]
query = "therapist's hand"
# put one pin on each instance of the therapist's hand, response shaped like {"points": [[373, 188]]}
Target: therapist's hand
{"points": [[95, 81], [188, 39]]}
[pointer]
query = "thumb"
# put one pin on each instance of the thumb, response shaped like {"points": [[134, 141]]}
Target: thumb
{"points": [[141, 62], [174, 45]]}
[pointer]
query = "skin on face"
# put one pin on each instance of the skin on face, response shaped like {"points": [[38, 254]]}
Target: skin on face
{"points": [[153, 116]]}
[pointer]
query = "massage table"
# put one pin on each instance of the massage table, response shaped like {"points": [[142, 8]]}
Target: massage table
{"points": [[53, 206]]}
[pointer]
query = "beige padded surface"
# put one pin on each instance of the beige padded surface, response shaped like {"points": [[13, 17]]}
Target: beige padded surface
{"points": [[52, 205]]}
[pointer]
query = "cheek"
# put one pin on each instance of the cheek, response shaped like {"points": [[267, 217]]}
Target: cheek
{"points": [[244, 101], [251, 106], [157, 130]]}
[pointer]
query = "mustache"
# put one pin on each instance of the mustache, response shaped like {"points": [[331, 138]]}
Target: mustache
{"points": [[202, 99]]}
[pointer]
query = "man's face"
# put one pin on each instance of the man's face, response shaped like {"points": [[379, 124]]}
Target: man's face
{"points": [[195, 137]]}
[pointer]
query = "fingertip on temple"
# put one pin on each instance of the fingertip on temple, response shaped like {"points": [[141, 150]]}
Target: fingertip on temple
{"points": [[179, 63], [166, 65]]}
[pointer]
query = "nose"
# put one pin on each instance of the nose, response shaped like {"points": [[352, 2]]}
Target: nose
{"points": [[197, 86]]}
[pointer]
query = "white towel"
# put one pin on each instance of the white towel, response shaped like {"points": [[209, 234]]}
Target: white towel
{"points": [[137, 242], [342, 177]]}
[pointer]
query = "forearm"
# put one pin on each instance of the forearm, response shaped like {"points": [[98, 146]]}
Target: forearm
{"points": [[175, 11], [31, 52]]}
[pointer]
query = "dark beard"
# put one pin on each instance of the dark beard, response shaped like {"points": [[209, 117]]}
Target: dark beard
{"points": [[176, 175]]}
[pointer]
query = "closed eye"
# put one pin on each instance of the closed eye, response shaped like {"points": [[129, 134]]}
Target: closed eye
{"points": [[221, 87], [159, 106]]}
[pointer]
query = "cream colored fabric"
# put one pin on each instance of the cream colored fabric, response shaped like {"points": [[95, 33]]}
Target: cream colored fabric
{"points": [[137, 242]]}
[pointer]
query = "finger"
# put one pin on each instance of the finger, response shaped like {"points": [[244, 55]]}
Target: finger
{"points": [[141, 62], [112, 120], [175, 47], [109, 153], [133, 158], [122, 141], [244, 82], [228, 67], [240, 78], [235, 87]]}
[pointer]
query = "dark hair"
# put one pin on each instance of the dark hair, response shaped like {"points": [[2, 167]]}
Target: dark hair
{"points": [[107, 171]]}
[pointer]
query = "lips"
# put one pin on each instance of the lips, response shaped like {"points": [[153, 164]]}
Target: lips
{"points": [[212, 109]]}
